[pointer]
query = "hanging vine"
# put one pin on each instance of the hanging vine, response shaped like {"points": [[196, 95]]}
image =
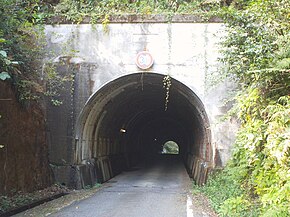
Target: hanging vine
{"points": [[167, 85]]}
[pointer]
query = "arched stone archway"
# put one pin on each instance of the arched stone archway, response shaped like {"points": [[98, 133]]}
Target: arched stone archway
{"points": [[120, 123]]}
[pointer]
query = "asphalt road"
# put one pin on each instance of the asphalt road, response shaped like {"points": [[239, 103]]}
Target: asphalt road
{"points": [[159, 190]]}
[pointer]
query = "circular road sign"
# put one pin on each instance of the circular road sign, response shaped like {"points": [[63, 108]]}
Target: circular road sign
{"points": [[144, 60]]}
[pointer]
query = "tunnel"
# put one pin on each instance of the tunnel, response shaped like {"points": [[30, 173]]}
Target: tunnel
{"points": [[127, 122]]}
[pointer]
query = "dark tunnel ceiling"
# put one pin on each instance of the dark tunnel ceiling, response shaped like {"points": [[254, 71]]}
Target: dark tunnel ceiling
{"points": [[136, 103]]}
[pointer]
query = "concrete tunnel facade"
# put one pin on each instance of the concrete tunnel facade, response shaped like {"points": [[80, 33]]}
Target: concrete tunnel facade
{"points": [[114, 114]]}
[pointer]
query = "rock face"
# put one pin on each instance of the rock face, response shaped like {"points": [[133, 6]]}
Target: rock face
{"points": [[23, 152]]}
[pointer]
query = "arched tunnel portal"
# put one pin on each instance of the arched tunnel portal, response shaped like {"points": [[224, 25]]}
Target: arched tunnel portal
{"points": [[125, 123]]}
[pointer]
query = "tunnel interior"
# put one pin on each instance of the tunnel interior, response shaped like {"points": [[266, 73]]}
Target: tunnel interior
{"points": [[126, 123]]}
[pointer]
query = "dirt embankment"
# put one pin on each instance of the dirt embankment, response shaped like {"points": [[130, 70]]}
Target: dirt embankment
{"points": [[23, 148]]}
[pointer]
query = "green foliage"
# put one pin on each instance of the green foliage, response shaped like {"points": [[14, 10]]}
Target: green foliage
{"points": [[22, 53], [19, 45], [221, 186], [15, 199], [76, 11], [256, 182], [257, 46], [4, 76], [9, 203], [55, 82], [263, 148], [170, 147], [95, 186], [237, 206], [5, 62]]}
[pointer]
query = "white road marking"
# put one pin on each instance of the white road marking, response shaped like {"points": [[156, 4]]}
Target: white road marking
{"points": [[189, 210]]}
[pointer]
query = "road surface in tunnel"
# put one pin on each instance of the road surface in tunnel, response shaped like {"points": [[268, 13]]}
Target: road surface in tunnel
{"points": [[159, 189]]}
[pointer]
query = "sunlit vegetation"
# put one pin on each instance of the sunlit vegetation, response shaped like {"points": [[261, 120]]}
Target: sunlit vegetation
{"points": [[19, 53], [256, 182], [170, 147], [21, 50], [100, 10]]}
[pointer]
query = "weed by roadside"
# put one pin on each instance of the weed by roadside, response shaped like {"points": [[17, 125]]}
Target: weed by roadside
{"points": [[20, 199], [226, 196], [53, 206]]}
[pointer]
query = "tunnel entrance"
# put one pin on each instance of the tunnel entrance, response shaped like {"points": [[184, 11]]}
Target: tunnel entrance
{"points": [[125, 123]]}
